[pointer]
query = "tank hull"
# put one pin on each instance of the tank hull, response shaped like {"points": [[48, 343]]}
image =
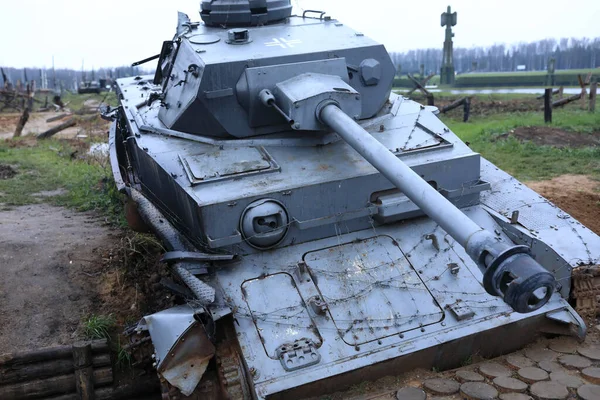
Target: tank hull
{"points": [[360, 286]]}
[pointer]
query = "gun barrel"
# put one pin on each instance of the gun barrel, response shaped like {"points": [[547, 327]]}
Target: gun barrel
{"points": [[509, 270]]}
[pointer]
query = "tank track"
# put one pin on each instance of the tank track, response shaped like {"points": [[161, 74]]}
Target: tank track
{"points": [[586, 290], [231, 373]]}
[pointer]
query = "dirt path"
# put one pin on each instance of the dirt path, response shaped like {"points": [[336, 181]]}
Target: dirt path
{"points": [[37, 124], [49, 258]]}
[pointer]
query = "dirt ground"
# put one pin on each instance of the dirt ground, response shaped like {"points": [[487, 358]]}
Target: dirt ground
{"points": [[556, 137], [481, 106], [37, 123], [49, 257]]}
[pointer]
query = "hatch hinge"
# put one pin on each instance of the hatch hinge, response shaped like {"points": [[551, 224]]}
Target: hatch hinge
{"points": [[300, 354]]}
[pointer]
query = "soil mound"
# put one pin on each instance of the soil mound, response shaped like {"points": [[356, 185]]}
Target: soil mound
{"points": [[556, 137]]}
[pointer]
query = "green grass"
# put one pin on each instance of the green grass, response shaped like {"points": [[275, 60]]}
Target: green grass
{"points": [[76, 100], [98, 327], [446, 95], [49, 165], [124, 358], [583, 71], [507, 79], [527, 161]]}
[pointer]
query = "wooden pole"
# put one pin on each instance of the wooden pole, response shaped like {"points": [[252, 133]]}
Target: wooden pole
{"points": [[454, 105], [560, 92], [56, 117], [51, 387], [566, 100], [466, 109], [593, 90], [48, 354], [25, 116], [22, 122], [53, 131], [423, 83], [45, 369], [143, 387], [84, 371], [430, 99], [548, 106]]}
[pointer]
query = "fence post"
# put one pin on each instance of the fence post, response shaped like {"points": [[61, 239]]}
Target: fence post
{"points": [[593, 89], [548, 105], [84, 371], [466, 109], [430, 100]]}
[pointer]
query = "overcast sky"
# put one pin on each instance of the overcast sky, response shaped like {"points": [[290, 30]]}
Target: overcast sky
{"points": [[118, 32]]}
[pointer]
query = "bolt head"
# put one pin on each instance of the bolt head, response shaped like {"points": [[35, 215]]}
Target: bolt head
{"points": [[370, 71]]}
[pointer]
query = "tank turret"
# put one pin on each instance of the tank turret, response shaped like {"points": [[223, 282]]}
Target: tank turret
{"points": [[321, 222]]}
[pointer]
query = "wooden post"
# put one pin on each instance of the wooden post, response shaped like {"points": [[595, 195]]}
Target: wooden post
{"points": [[22, 122], [560, 92], [52, 131], [593, 89], [84, 371], [548, 106], [466, 109], [430, 100]]}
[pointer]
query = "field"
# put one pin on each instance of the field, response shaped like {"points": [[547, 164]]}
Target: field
{"points": [[509, 79], [493, 136]]}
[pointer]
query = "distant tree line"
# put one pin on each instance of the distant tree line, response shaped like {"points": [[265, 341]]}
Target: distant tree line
{"points": [[568, 54], [66, 79]]}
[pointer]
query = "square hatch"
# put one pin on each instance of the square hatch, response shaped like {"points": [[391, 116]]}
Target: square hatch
{"points": [[227, 163], [371, 290]]}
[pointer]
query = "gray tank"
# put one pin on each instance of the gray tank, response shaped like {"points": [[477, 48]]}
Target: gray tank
{"points": [[322, 229]]}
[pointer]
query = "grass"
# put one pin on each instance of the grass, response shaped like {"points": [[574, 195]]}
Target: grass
{"points": [[98, 327], [527, 161], [583, 71], [124, 358], [76, 100], [447, 95], [49, 165]]}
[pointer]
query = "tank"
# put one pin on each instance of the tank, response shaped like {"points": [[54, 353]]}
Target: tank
{"points": [[322, 229]]}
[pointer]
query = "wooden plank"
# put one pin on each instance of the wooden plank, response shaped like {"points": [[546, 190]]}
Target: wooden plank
{"points": [[423, 83], [51, 387], [453, 105], [49, 353], [84, 371], [146, 387], [57, 117], [418, 84], [566, 100], [53, 131], [46, 369]]}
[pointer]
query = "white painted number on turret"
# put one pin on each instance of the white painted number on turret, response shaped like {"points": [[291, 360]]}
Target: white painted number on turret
{"points": [[283, 43]]}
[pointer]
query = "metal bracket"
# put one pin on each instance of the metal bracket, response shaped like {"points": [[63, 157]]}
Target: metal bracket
{"points": [[300, 354], [434, 240], [317, 305], [461, 311], [174, 256]]}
